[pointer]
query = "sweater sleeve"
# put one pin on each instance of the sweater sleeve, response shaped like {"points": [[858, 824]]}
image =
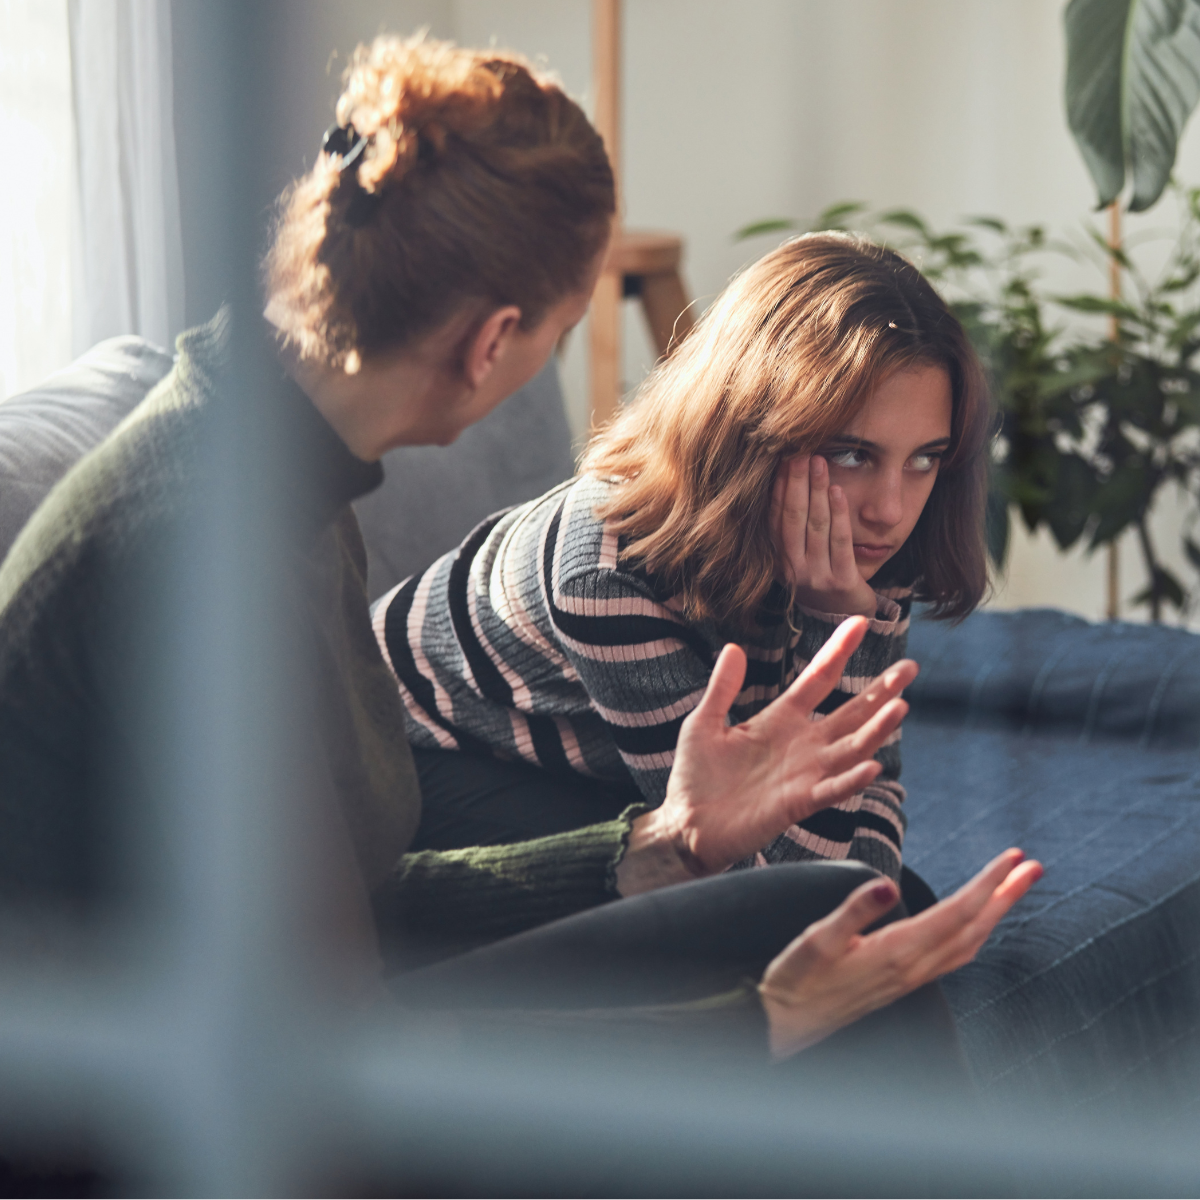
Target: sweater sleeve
{"points": [[459, 898], [869, 827], [643, 668]]}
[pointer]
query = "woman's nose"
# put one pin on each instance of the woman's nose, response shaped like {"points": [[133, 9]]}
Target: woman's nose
{"points": [[885, 504]]}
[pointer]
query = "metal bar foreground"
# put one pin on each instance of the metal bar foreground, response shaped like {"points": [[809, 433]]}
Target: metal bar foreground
{"points": [[389, 1109]]}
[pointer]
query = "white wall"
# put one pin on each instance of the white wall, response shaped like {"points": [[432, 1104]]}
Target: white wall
{"points": [[737, 111], [317, 39]]}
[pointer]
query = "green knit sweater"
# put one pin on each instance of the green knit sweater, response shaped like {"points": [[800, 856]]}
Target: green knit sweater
{"points": [[79, 624]]}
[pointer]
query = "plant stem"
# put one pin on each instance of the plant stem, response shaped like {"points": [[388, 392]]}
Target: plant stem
{"points": [[1113, 564], [1114, 292], [1151, 569], [1114, 266]]}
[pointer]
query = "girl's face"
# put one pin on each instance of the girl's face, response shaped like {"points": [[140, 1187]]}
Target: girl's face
{"points": [[886, 460]]}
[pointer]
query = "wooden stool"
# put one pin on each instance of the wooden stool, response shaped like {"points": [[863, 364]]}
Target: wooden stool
{"points": [[643, 266]]}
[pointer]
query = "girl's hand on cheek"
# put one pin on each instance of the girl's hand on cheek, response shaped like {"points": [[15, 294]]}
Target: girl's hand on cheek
{"points": [[814, 535]]}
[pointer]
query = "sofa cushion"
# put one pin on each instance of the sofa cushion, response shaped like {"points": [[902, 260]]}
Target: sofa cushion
{"points": [[45, 431], [1078, 743]]}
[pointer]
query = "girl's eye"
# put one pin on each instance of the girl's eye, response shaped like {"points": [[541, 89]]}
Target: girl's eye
{"points": [[846, 458], [924, 462]]}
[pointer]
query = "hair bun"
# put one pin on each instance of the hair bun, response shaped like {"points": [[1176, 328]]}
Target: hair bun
{"points": [[409, 96], [369, 254]]}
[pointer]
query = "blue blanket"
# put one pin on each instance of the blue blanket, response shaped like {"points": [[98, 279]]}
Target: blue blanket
{"points": [[1078, 743]]}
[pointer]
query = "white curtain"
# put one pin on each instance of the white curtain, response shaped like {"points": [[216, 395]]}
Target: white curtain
{"points": [[35, 207], [127, 274]]}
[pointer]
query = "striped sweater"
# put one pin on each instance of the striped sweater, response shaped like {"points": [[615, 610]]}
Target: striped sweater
{"points": [[532, 641]]}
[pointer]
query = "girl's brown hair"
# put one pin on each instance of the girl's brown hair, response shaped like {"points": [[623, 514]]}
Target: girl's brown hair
{"points": [[481, 181], [777, 367]]}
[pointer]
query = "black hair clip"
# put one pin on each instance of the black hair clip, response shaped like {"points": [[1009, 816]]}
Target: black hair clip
{"points": [[346, 141]]}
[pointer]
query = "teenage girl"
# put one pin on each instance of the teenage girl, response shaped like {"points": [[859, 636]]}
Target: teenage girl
{"points": [[813, 450]]}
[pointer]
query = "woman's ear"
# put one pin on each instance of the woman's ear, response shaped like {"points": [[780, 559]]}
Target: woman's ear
{"points": [[488, 344]]}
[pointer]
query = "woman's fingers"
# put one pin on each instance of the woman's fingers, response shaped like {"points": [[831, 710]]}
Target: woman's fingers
{"points": [[834, 973], [828, 940], [837, 788], [976, 892], [950, 934], [854, 713], [724, 683], [828, 666], [851, 718], [960, 946], [1010, 889], [948, 918], [864, 741], [1018, 882]]}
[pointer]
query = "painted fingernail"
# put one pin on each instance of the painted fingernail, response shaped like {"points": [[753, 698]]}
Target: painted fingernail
{"points": [[884, 892]]}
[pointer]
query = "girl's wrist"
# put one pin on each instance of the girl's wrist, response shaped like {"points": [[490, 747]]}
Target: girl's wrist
{"points": [[840, 606]]}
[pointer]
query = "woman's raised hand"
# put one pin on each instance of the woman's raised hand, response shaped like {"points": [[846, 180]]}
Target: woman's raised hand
{"points": [[833, 973], [735, 787], [812, 523]]}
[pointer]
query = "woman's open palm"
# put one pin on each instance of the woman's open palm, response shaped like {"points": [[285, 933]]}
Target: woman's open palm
{"points": [[734, 788], [836, 972]]}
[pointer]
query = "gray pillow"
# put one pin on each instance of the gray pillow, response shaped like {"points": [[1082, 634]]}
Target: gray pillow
{"points": [[45, 431], [432, 496]]}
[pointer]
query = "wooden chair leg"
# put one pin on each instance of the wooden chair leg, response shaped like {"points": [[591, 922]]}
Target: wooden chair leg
{"points": [[605, 330], [665, 306]]}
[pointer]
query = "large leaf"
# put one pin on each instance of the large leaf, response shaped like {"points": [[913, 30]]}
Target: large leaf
{"points": [[1120, 502], [997, 527], [1097, 304], [1095, 58], [1163, 586], [1133, 79], [1074, 500], [773, 225]]}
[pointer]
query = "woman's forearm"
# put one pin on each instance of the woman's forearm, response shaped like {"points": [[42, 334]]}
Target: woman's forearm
{"points": [[488, 892]]}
